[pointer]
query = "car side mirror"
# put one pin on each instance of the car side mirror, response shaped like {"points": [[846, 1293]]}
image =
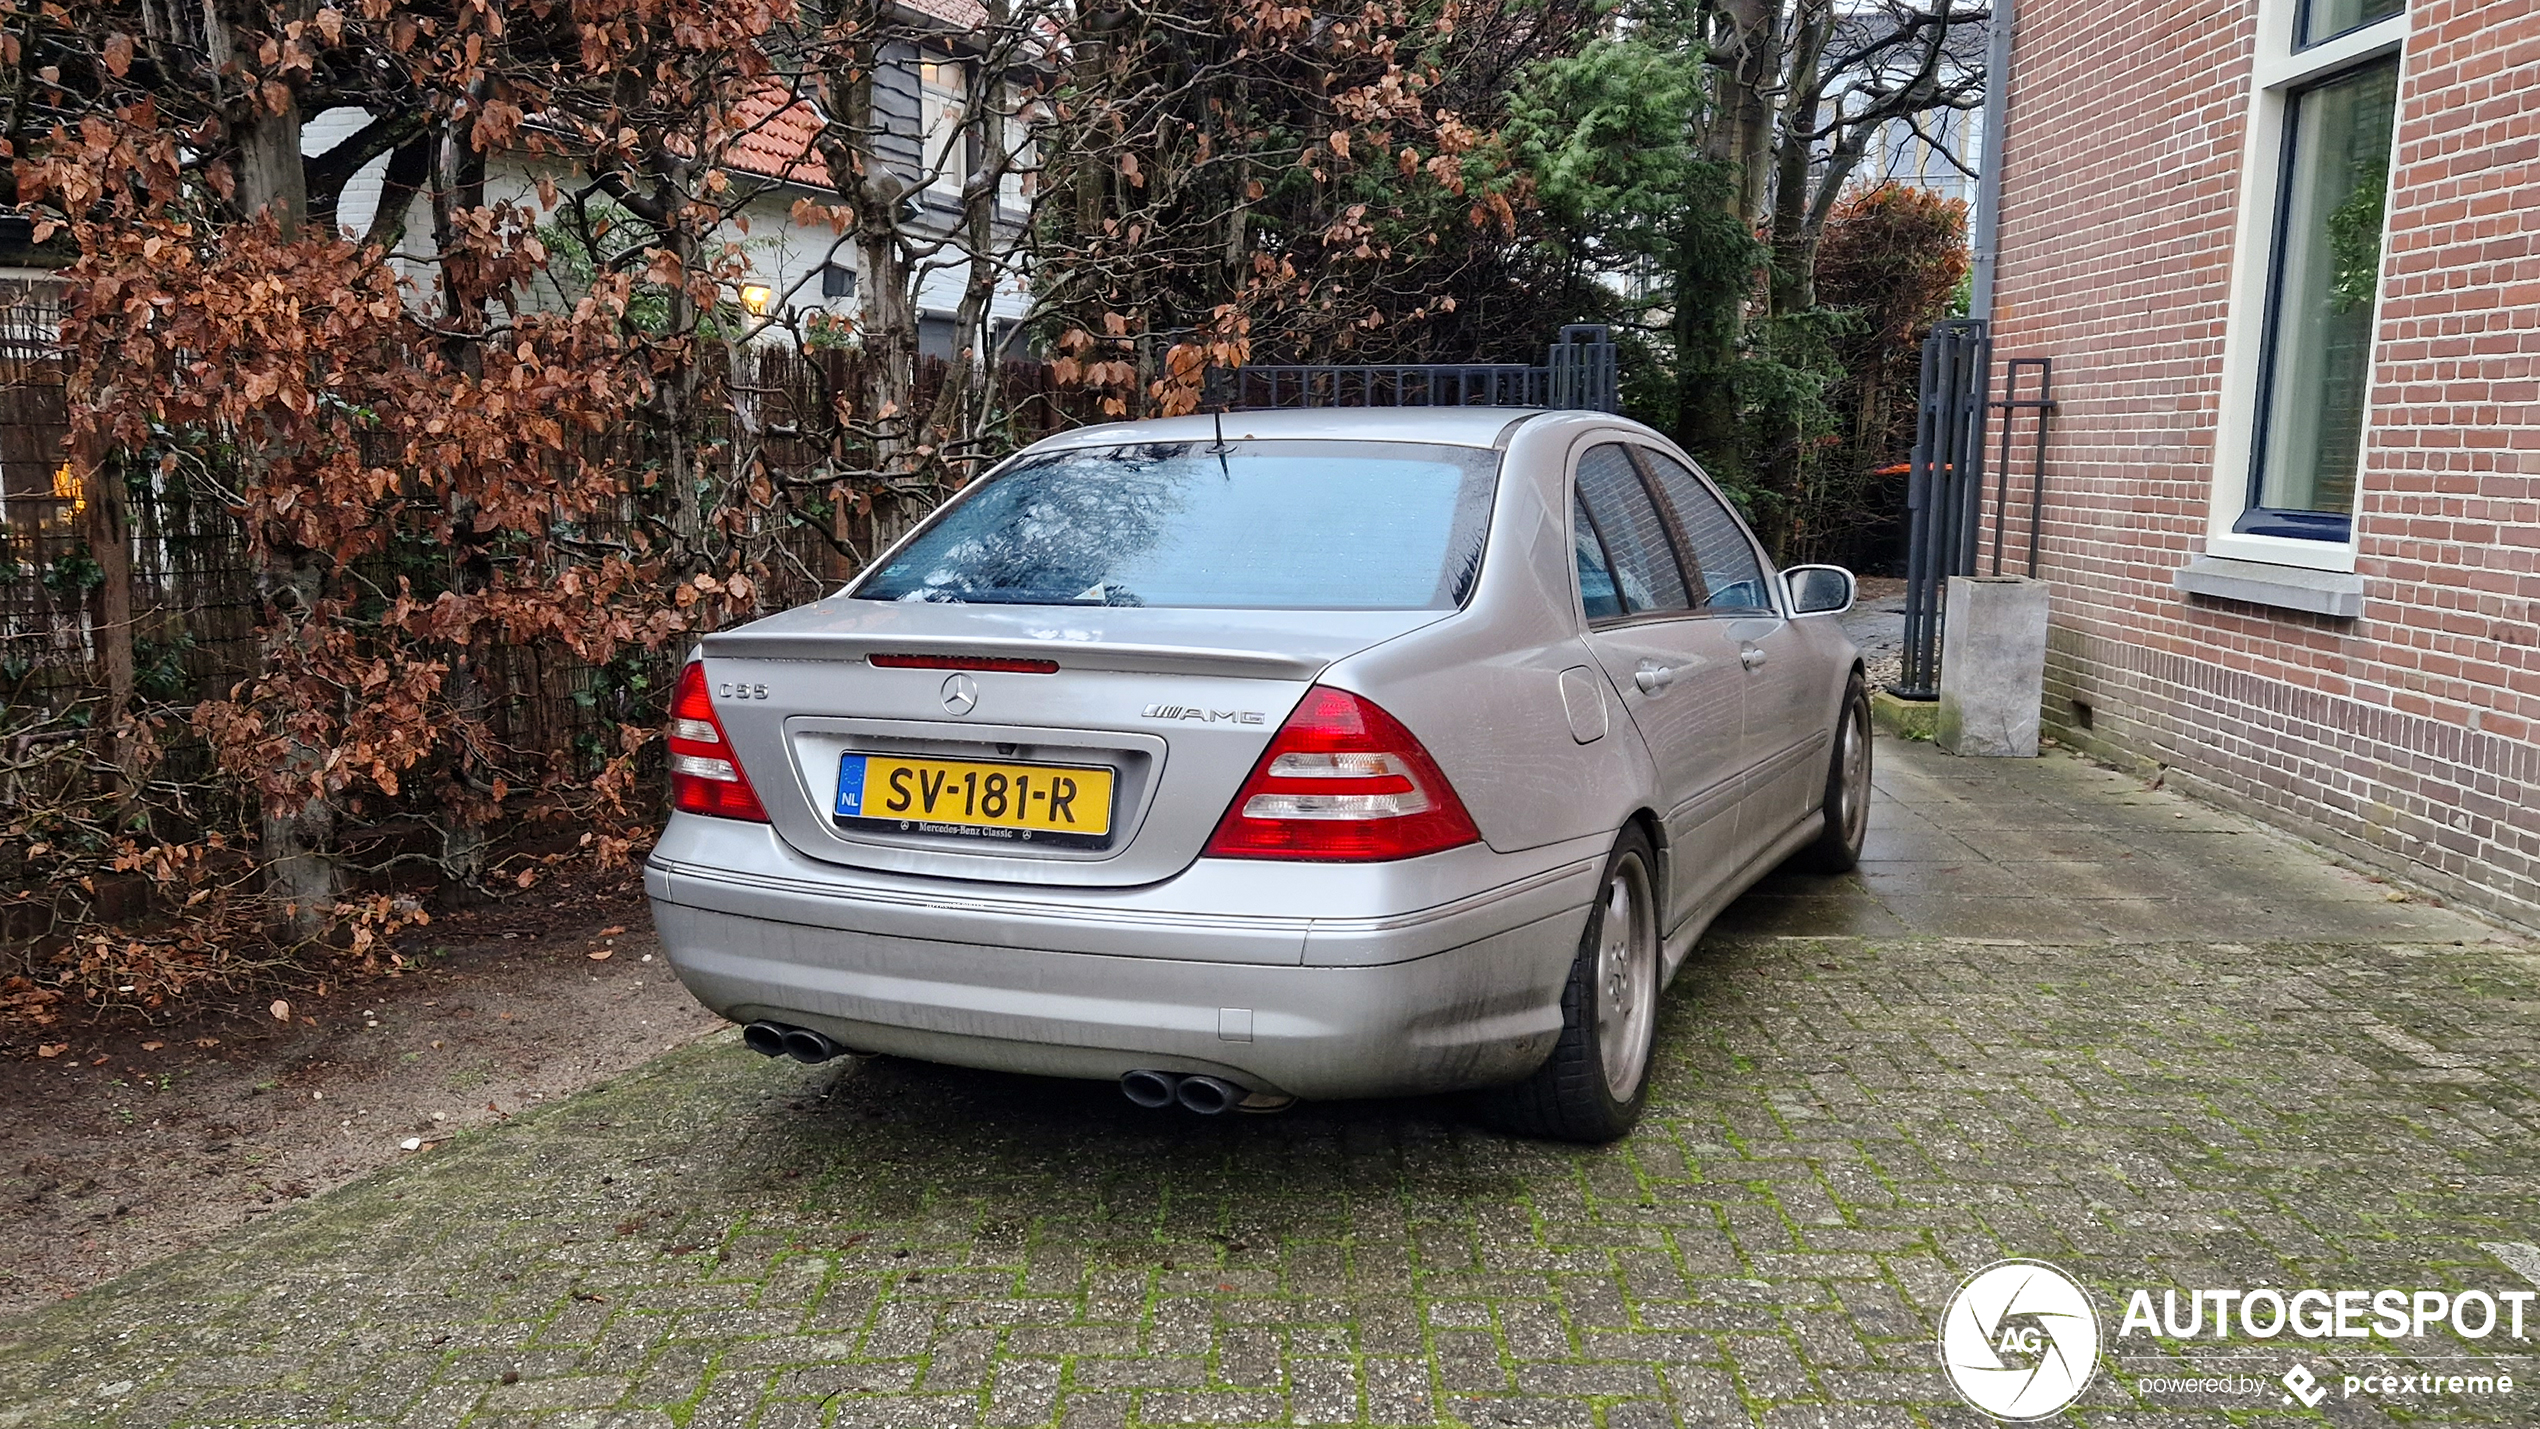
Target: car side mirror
{"points": [[1819, 590]]}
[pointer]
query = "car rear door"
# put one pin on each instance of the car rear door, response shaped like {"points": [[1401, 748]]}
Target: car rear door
{"points": [[1677, 672], [1784, 739]]}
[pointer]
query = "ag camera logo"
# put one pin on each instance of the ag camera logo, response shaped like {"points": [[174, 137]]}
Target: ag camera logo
{"points": [[2019, 1340]]}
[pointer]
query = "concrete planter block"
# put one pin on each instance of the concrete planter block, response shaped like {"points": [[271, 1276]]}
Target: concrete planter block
{"points": [[1992, 666]]}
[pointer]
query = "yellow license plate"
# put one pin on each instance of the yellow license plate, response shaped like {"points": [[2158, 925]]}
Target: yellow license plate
{"points": [[1030, 803]]}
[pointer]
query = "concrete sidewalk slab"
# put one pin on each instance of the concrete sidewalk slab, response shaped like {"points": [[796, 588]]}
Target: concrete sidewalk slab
{"points": [[2239, 1067], [2059, 850]]}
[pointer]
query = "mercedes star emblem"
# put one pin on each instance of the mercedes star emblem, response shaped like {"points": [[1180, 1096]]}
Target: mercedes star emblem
{"points": [[961, 694]]}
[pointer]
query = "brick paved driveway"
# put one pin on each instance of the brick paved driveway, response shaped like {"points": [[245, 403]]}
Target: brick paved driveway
{"points": [[2056, 1016]]}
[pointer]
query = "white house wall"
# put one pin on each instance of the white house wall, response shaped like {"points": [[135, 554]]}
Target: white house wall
{"points": [[785, 256]]}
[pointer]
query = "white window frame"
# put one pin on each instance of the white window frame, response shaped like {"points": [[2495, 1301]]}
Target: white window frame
{"points": [[943, 86], [2278, 72], [1020, 181]]}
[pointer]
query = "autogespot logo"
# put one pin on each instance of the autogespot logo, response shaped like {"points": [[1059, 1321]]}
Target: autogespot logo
{"points": [[2019, 1340]]}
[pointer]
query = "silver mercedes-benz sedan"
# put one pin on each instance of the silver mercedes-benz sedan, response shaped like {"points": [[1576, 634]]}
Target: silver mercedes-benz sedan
{"points": [[1330, 753]]}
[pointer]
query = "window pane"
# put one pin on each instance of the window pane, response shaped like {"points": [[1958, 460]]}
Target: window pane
{"points": [[1732, 579], [2327, 19], [942, 90], [1598, 594], [1273, 526], [1628, 525], [2328, 269]]}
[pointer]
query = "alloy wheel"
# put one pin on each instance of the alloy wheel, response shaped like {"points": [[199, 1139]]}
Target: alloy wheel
{"points": [[1626, 978], [1856, 776]]}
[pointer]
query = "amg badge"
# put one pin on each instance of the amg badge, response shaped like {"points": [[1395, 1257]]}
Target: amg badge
{"points": [[1204, 716]]}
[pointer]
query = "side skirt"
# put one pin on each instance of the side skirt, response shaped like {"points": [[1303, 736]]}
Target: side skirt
{"points": [[1679, 942]]}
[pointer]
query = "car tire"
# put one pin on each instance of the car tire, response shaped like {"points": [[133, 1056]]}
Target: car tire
{"points": [[1596, 1081], [1847, 804]]}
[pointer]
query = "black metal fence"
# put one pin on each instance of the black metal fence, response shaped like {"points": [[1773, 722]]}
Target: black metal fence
{"points": [[1944, 481], [1578, 373], [1944, 501]]}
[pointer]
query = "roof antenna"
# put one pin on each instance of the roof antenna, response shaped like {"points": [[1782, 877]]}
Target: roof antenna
{"points": [[1220, 449]]}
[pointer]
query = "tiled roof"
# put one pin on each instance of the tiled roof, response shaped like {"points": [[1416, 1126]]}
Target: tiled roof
{"points": [[968, 14], [777, 134]]}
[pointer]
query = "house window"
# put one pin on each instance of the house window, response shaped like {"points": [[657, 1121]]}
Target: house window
{"points": [[837, 280], [2324, 20], [1021, 181], [2317, 369], [2297, 366], [943, 88]]}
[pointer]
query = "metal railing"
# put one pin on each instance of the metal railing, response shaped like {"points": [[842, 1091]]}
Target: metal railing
{"points": [[2010, 405], [1578, 373]]}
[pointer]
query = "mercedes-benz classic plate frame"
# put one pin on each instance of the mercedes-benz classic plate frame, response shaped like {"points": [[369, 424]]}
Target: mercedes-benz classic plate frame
{"points": [[1062, 805]]}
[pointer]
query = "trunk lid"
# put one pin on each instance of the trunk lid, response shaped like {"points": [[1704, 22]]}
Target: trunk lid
{"points": [[1172, 707]]}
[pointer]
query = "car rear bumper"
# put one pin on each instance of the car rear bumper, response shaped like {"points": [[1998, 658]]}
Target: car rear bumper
{"points": [[1470, 997]]}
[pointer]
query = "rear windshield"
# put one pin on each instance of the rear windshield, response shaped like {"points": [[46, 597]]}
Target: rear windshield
{"points": [[1255, 525]]}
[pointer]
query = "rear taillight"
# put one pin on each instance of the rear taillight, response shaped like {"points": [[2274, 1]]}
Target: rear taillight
{"points": [[1342, 781], [705, 777]]}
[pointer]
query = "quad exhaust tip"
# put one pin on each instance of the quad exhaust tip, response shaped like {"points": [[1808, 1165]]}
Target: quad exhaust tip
{"points": [[1199, 1094], [775, 1039], [809, 1047], [1206, 1096]]}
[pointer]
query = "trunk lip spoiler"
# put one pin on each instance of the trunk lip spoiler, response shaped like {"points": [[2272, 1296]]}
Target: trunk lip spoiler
{"points": [[1131, 658]]}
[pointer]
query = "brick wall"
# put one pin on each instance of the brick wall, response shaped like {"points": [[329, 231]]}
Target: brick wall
{"points": [[2409, 738]]}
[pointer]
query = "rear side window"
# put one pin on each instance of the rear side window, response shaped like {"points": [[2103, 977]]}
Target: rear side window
{"points": [[1627, 528], [1260, 525], [1716, 549], [1598, 594]]}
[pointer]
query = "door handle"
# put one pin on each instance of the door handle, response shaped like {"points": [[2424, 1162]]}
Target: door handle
{"points": [[1653, 677], [1752, 658]]}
